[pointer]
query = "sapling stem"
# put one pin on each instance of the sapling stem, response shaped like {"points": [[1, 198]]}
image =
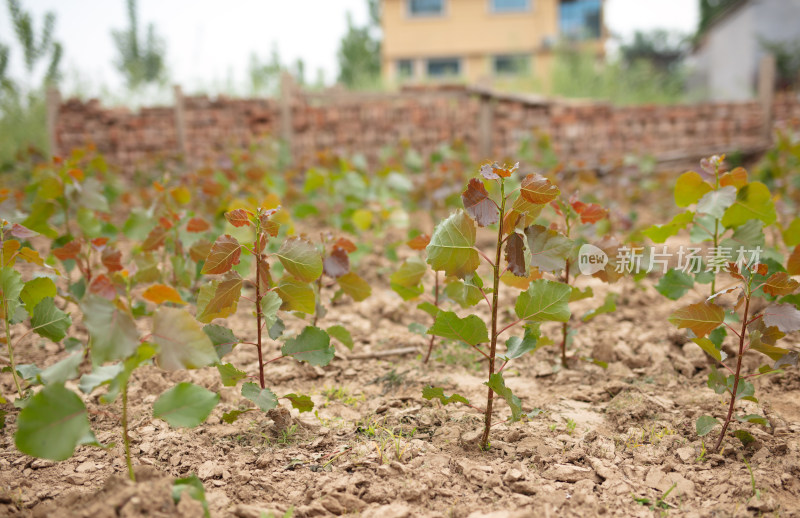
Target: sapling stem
{"points": [[487, 420], [10, 349], [435, 303], [259, 314], [125, 438], [738, 369], [565, 325]]}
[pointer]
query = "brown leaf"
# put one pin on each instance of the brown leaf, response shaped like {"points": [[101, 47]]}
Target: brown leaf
{"points": [[345, 244], [420, 242], [239, 217], [478, 204], [701, 318], [336, 264], [223, 256], [220, 298], [264, 277], [112, 259], [200, 250], [102, 285], [21, 232], [515, 255], [537, 189], [589, 212], [68, 251], [737, 178], [155, 239], [780, 284], [160, 293], [197, 225], [793, 264]]}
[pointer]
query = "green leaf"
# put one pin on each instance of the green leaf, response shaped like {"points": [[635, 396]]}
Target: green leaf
{"points": [[220, 298], [50, 322], [464, 294], [112, 330], [10, 288], [353, 285], [36, 290], [452, 246], [66, 369], [438, 393], [194, 488], [518, 347], [406, 281], [791, 234], [276, 330], [342, 335], [744, 436], [660, 233], [144, 353], [715, 202], [301, 403], [544, 301], [101, 375], [296, 295], [609, 306], [578, 294], [230, 375], [747, 236], [313, 345], [185, 405], [52, 424], [675, 284], [428, 308], [689, 188], [752, 418], [717, 336], [708, 346], [181, 341], [705, 424], [301, 259], [233, 415], [264, 399], [549, 249], [223, 338], [753, 201], [270, 304], [498, 385], [471, 329]]}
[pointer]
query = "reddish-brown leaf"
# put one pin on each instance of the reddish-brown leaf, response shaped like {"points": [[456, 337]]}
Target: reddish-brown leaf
{"points": [[21, 232], [223, 256], [102, 285], [264, 277], [345, 244], [200, 250], [494, 171], [112, 259], [589, 212], [780, 284], [478, 204], [793, 264], [420, 242], [99, 243], [154, 239], [197, 225], [515, 255], [761, 269], [701, 318], [68, 251], [165, 222], [336, 264], [161, 293], [537, 189], [239, 217]]}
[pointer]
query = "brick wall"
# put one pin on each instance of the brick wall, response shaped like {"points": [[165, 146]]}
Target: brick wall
{"points": [[349, 123]]}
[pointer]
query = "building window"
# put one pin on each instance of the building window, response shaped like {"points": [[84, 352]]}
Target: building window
{"points": [[426, 7], [509, 6], [511, 65], [580, 19], [444, 67], [405, 69]]}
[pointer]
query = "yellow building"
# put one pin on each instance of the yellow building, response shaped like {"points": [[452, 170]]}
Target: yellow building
{"points": [[469, 40]]}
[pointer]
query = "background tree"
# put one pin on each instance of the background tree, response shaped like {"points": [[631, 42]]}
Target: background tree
{"points": [[661, 48], [360, 51], [787, 61], [34, 49], [710, 9], [141, 62]]}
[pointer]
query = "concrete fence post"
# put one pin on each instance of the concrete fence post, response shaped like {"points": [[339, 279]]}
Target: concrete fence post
{"points": [[766, 93], [180, 123], [52, 105], [286, 101]]}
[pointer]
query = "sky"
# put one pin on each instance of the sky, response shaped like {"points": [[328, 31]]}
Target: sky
{"points": [[209, 42]]}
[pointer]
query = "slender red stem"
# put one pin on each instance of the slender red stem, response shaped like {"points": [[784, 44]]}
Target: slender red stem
{"points": [[435, 303], [565, 325]]}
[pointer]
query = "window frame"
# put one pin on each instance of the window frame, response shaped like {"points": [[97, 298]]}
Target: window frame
{"points": [[521, 57], [399, 69], [457, 60], [583, 35], [411, 14], [494, 10]]}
